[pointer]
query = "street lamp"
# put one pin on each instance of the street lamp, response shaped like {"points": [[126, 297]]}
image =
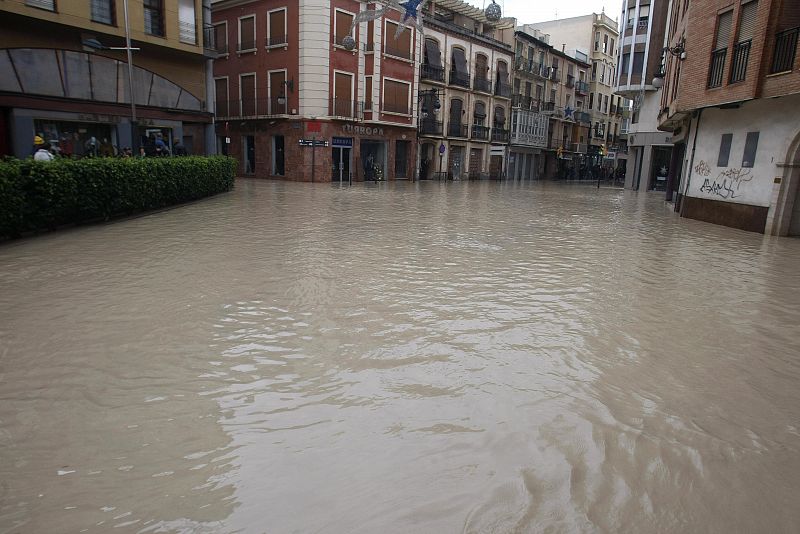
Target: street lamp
{"points": [[94, 44], [678, 51], [282, 97]]}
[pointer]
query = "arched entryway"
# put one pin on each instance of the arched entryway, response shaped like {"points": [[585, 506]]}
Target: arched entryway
{"points": [[784, 217]]}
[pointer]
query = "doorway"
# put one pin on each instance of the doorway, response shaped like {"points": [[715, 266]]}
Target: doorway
{"points": [[456, 158], [496, 167], [341, 164], [475, 160], [249, 145]]}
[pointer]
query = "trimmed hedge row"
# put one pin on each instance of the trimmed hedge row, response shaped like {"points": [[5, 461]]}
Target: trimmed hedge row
{"points": [[37, 195]]}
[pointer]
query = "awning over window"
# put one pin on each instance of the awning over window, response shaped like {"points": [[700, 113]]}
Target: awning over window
{"points": [[460, 61], [433, 56], [480, 109]]}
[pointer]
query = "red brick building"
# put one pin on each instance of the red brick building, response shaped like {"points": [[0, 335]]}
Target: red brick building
{"points": [[731, 94], [293, 102]]}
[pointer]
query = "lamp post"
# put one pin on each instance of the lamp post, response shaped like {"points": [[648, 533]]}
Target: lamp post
{"points": [[678, 51], [94, 44]]}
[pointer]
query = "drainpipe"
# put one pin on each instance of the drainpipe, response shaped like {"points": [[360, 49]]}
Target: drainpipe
{"points": [[691, 161], [210, 135]]}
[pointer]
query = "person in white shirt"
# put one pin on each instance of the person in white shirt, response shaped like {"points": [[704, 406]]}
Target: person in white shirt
{"points": [[43, 155]]}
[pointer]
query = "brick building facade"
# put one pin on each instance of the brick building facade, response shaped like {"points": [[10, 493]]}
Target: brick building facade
{"points": [[731, 91], [293, 102]]}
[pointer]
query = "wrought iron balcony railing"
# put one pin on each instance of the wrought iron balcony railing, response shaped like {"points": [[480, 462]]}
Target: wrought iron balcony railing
{"points": [[430, 127], [717, 67], [499, 135], [785, 49], [502, 89], [345, 108], [581, 87], [459, 79], [741, 54], [456, 129], [481, 84], [480, 132], [435, 74], [251, 108]]}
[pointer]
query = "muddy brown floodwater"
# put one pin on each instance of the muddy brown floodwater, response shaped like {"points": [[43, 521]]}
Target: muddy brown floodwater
{"points": [[394, 358]]}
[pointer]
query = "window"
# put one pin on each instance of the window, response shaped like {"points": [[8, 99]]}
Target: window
{"points": [[596, 41], [602, 73], [720, 52], [401, 154], [591, 100], [638, 63], [342, 94], [396, 96], [221, 97], [278, 104], [741, 50], [276, 27], [247, 33], [625, 61], [367, 92], [479, 115], [594, 70], [103, 11], [605, 103], [49, 5], [278, 156], [613, 50], [247, 94], [724, 150], [221, 37], [154, 17], [371, 36], [631, 17], [342, 22], [605, 44], [750, 146], [397, 47], [187, 27], [644, 16]]}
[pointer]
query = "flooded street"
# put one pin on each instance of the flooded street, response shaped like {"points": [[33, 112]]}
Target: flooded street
{"points": [[394, 358]]}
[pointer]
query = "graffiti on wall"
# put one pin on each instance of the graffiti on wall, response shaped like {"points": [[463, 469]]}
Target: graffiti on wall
{"points": [[728, 184], [702, 168]]}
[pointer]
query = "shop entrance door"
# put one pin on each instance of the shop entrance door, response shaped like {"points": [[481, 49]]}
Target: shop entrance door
{"points": [[341, 164]]}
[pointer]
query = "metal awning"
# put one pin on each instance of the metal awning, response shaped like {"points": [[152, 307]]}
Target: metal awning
{"points": [[463, 8]]}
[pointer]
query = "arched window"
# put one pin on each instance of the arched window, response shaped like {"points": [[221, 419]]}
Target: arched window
{"points": [[479, 115], [481, 73], [459, 71]]}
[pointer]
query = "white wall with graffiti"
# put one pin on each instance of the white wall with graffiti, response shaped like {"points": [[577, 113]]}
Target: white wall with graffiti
{"points": [[721, 170]]}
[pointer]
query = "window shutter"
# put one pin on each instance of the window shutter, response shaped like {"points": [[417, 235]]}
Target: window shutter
{"points": [[403, 43], [247, 36], [724, 23], [343, 22], [455, 111], [277, 27], [747, 21], [433, 56], [460, 61]]}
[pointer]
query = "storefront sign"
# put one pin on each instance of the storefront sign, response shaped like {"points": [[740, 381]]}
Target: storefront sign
{"points": [[313, 142], [362, 130], [342, 141], [94, 117]]}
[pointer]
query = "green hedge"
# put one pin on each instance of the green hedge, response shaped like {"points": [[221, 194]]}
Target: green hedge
{"points": [[44, 195]]}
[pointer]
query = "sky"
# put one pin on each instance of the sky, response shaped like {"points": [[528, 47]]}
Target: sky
{"points": [[526, 11]]}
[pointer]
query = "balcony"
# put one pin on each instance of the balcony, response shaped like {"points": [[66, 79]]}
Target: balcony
{"points": [[430, 127], [570, 81], [277, 40], [502, 89], [555, 76], [456, 129], [785, 48], [246, 46], [499, 135], [741, 54], [582, 88], [210, 43], [480, 133], [346, 109], [582, 117], [548, 106], [257, 107], [459, 80], [393, 51], [434, 74], [481, 84], [717, 67]]}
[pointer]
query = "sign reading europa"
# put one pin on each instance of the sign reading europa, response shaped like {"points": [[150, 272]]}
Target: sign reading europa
{"points": [[362, 130]]}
